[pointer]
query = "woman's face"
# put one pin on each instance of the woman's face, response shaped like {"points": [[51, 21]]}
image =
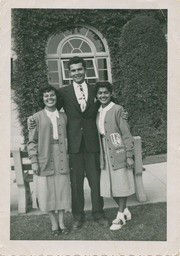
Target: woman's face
{"points": [[50, 99], [104, 96]]}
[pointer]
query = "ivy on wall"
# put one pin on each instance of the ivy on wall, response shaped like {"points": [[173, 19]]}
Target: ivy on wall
{"points": [[31, 29]]}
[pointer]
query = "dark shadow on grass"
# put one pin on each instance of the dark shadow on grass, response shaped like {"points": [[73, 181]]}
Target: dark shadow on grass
{"points": [[148, 224]]}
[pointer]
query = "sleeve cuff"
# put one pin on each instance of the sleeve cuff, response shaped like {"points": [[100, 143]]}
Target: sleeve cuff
{"points": [[34, 160], [129, 153]]}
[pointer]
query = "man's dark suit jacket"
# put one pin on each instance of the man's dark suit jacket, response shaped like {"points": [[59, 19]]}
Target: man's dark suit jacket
{"points": [[80, 123]]}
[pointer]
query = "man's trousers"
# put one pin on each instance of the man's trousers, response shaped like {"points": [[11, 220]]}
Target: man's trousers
{"points": [[85, 164]]}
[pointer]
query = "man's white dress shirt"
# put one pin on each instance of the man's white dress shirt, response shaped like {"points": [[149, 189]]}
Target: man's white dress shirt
{"points": [[81, 96]]}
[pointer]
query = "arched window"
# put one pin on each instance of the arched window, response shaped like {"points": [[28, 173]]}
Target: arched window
{"points": [[81, 41]]}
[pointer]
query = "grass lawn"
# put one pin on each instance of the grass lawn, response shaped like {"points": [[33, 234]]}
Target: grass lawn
{"points": [[154, 159], [148, 224]]}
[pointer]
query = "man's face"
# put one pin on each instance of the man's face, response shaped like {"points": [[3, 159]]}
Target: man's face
{"points": [[77, 73]]}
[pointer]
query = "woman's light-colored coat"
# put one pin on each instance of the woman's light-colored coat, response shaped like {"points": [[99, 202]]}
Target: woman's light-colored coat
{"points": [[41, 141], [118, 137]]}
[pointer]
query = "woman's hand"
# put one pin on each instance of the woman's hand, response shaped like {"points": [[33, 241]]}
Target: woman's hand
{"points": [[124, 114], [31, 123], [130, 162], [35, 168]]}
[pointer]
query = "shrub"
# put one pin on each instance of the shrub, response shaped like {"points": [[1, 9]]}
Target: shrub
{"points": [[142, 71]]}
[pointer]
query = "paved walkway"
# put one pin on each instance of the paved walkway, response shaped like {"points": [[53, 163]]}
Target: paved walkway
{"points": [[154, 179]]}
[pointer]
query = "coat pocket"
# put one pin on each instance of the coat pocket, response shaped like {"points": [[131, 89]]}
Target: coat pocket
{"points": [[119, 158], [42, 162]]}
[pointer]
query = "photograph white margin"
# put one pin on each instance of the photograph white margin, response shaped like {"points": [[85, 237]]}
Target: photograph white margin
{"points": [[81, 248]]}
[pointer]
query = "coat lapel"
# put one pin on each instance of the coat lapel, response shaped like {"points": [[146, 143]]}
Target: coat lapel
{"points": [[90, 96], [72, 96]]}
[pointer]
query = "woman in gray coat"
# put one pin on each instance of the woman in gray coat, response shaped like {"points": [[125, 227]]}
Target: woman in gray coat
{"points": [[116, 153], [47, 148]]}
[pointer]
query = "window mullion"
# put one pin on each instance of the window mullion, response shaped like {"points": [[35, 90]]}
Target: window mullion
{"points": [[81, 44], [71, 45]]}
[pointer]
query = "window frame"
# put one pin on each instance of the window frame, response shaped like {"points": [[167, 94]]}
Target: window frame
{"points": [[94, 66], [94, 55]]}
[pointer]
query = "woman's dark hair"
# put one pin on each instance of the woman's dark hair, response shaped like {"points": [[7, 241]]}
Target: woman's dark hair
{"points": [[106, 85], [45, 89], [76, 60]]}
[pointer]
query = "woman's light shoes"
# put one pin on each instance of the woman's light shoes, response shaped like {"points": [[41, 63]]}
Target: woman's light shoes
{"points": [[118, 222], [127, 214], [120, 219]]}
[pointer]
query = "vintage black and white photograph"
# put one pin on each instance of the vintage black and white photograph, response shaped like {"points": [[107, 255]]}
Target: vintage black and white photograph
{"points": [[89, 94], [90, 131]]}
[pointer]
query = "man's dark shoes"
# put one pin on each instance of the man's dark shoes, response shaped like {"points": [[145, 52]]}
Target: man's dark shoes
{"points": [[77, 225], [64, 231], [102, 222], [55, 233]]}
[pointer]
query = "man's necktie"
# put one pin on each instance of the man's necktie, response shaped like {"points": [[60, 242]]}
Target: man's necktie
{"points": [[82, 100]]}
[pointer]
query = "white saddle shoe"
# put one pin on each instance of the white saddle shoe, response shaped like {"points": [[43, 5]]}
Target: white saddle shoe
{"points": [[127, 214], [118, 222]]}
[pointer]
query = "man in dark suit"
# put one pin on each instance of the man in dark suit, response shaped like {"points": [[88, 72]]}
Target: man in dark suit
{"points": [[78, 101]]}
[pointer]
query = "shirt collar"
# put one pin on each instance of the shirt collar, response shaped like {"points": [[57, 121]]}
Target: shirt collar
{"points": [[77, 85], [109, 106], [55, 113]]}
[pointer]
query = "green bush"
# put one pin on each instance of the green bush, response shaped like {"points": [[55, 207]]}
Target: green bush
{"points": [[31, 29], [142, 82]]}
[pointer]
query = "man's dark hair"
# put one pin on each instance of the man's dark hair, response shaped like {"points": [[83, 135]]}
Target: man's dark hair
{"points": [[76, 60]]}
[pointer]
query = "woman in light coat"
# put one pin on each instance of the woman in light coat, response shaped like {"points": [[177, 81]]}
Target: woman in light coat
{"points": [[47, 148], [116, 153]]}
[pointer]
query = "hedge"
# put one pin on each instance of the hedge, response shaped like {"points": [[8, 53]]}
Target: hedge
{"points": [[31, 29], [142, 81]]}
